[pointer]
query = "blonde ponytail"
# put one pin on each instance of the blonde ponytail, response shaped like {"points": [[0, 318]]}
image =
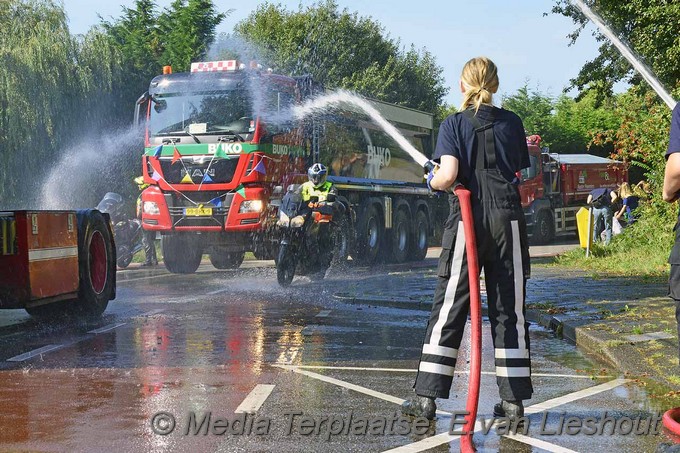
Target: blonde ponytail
{"points": [[480, 80]]}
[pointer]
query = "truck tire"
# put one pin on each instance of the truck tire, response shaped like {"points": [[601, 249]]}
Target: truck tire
{"points": [[370, 232], [544, 228], [227, 260], [400, 238], [419, 236], [181, 254], [96, 264]]}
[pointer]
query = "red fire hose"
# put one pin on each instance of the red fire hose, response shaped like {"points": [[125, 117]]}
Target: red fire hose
{"points": [[463, 195], [671, 421]]}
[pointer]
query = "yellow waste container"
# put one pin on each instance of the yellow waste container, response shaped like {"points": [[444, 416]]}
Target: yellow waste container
{"points": [[583, 220]]}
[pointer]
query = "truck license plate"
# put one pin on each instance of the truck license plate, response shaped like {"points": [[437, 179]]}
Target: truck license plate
{"points": [[198, 212]]}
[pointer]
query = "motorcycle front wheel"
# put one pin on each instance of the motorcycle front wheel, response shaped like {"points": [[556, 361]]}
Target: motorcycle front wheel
{"points": [[285, 265]]}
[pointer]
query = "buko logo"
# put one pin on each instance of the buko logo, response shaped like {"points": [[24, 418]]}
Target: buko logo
{"points": [[280, 149], [229, 148], [378, 155]]}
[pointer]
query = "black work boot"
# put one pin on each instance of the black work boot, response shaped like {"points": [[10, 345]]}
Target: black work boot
{"points": [[419, 406], [510, 409]]}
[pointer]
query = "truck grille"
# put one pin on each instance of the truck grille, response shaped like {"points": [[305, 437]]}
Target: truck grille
{"points": [[221, 171], [177, 203]]}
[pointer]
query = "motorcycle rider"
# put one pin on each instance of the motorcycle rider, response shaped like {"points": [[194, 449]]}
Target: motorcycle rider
{"points": [[318, 187], [148, 237]]}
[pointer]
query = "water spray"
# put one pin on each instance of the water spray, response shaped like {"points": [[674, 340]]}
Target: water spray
{"points": [[627, 53]]}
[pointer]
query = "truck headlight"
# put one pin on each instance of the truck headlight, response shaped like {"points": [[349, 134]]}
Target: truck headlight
{"points": [[249, 206], [151, 208], [297, 221]]}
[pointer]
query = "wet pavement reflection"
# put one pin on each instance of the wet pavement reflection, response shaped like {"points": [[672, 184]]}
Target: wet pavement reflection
{"points": [[215, 344]]}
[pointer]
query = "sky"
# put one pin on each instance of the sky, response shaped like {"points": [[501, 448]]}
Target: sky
{"points": [[525, 45]]}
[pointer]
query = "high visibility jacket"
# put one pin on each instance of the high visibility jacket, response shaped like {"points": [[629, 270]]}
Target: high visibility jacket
{"points": [[308, 191]]}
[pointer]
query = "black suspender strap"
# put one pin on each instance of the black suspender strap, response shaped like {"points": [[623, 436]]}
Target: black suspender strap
{"points": [[486, 145]]}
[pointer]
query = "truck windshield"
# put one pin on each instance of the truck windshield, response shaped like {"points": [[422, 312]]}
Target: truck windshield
{"points": [[219, 112]]}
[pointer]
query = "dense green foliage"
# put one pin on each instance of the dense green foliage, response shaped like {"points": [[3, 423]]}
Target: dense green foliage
{"points": [[639, 122], [343, 49], [565, 125], [650, 27], [147, 40], [46, 77], [56, 88]]}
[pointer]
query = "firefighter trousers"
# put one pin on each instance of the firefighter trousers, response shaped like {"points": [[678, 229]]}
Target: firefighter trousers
{"points": [[503, 254]]}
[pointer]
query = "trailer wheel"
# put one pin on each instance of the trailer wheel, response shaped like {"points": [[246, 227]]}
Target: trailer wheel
{"points": [[420, 233], [96, 263], [181, 254], [400, 237], [544, 228], [369, 234], [227, 260]]}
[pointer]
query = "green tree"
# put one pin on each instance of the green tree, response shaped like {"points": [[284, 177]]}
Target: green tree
{"points": [[46, 79], [650, 27], [148, 40], [533, 108], [187, 29], [344, 50]]}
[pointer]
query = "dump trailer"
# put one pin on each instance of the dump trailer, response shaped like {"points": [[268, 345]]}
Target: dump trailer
{"points": [[57, 262], [221, 148], [556, 186]]}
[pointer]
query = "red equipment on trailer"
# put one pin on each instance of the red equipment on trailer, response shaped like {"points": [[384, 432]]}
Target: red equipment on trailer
{"points": [[57, 261]]}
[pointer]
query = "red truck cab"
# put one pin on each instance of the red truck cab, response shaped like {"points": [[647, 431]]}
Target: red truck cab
{"points": [[556, 186]]}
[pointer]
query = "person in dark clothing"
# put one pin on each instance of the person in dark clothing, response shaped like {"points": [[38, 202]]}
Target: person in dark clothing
{"points": [[148, 237], [629, 203], [483, 147], [602, 200], [671, 188]]}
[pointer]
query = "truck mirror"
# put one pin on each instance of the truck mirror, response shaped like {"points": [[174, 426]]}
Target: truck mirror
{"points": [[545, 158]]}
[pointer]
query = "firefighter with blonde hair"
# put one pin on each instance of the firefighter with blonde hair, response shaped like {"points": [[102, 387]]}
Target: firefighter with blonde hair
{"points": [[482, 147]]}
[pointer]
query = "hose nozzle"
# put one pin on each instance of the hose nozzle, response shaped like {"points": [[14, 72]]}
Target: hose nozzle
{"points": [[429, 166]]}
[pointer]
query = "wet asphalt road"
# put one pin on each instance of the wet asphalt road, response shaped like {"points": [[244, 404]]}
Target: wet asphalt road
{"points": [[232, 358]]}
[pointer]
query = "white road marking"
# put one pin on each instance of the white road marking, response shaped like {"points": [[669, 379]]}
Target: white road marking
{"points": [[255, 398], [34, 353], [106, 328], [347, 385], [543, 445], [323, 314], [445, 438], [413, 370], [549, 404], [218, 291]]}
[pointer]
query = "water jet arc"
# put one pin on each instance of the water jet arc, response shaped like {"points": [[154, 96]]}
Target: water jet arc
{"points": [[627, 54]]}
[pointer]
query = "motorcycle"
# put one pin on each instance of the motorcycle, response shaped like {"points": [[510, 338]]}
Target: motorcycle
{"points": [[127, 232], [306, 243]]}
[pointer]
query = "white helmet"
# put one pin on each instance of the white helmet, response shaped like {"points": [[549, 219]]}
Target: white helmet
{"points": [[317, 174]]}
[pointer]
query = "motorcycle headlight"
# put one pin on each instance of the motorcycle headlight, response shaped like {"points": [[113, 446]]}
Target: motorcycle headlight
{"points": [[249, 206], [297, 222], [284, 220], [151, 208]]}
